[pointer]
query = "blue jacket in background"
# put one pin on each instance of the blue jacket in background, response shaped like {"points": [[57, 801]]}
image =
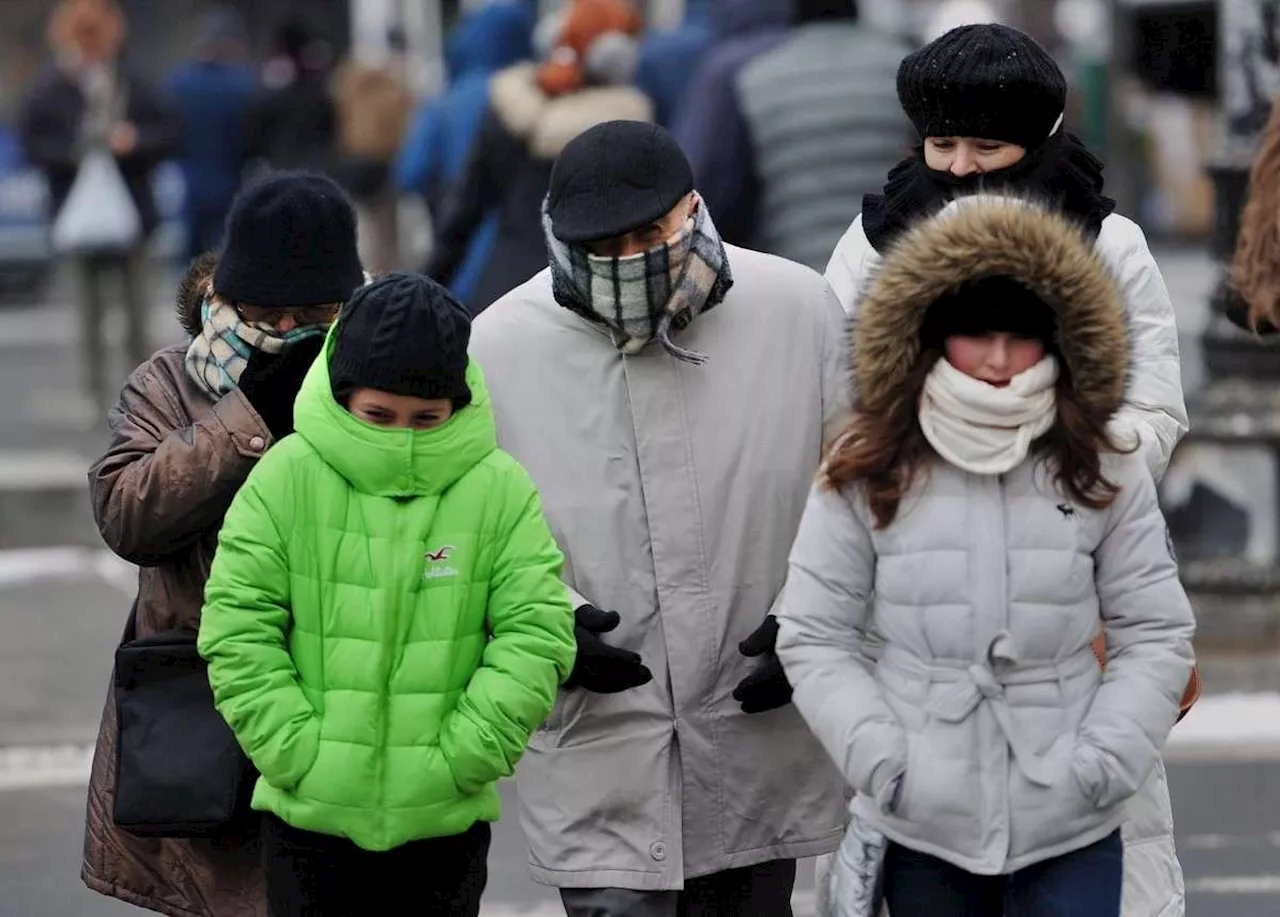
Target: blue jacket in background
{"points": [[445, 128], [669, 60], [213, 100], [710, 125]]}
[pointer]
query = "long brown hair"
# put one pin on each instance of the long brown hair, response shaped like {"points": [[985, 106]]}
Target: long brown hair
{"points": [[1255, 269], [885, 451]]}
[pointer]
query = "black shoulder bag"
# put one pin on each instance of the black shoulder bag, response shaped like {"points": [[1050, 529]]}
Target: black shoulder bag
{"points": [[179, 770]]}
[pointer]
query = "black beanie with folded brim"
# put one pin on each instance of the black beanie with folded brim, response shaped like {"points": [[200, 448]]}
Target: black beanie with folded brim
{"points": [[989, 81], [404, 334]]}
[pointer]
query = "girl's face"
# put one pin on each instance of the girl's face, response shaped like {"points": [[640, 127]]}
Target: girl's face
{"points": [[963, 156], [383, 409], [995, 357]]}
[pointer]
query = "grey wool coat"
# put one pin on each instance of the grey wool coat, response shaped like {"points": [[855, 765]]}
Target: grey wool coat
{"points": [[986, 590], [674, 491]]}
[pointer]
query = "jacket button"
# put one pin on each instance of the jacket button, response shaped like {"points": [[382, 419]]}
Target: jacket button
{"points": [[257, 444], [658, 851]]}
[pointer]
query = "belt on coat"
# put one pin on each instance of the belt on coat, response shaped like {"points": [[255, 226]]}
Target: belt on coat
{"points": [[977, 683]]}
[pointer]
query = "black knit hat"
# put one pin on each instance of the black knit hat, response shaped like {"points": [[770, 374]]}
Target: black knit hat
{"points": [[404, 334], [616, 177], [989, 304], [290, 241], [986, 81]]}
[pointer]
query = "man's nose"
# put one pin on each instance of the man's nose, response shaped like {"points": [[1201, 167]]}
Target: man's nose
{"points": [[286, 323]]}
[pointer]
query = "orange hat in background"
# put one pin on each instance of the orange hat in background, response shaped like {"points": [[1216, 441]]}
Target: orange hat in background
{"points": [[585, 22]]}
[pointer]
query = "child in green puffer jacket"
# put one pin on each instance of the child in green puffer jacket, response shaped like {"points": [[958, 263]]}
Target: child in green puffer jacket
{"points": [[384, 621]]}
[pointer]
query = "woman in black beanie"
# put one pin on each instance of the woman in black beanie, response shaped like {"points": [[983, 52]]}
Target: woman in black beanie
{"points": [[189, 426], [988, 105]]}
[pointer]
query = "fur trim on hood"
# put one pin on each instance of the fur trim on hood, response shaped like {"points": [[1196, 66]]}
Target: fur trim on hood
{"points": [[192, 290], [988, 236], [546, 124]]}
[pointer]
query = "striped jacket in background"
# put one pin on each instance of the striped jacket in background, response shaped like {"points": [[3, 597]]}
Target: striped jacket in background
{"points": [[826, 128]]}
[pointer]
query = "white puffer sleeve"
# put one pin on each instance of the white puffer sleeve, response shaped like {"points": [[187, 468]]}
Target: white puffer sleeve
{"points": [[1154, 408], [1149, 626], [823, 621]]}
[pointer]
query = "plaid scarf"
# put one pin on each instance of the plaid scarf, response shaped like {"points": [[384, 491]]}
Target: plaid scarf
{"points": [[219, 353], [646, 296]]}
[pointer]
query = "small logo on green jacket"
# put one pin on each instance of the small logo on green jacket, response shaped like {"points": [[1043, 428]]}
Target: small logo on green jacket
{"points": [[438, 566]]}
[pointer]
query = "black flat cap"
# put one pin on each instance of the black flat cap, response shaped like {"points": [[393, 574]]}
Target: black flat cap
{"points": [[616, 177]]}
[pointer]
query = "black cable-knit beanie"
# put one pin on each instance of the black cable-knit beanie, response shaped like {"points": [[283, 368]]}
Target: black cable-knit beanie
{"points": [[290, 241], [987, 81], [404, 334]]}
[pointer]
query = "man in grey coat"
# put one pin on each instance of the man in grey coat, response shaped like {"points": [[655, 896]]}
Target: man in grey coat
{"points": [[670, 395]]}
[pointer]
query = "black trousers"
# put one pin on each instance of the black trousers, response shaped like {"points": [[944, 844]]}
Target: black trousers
{"points": [[752, 891], [316, 875]]}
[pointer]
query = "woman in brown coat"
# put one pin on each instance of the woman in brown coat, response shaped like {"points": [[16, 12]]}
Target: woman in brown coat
{"points": [[189, 425]]}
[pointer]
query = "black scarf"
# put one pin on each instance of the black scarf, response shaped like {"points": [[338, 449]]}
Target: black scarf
{"points": [[1061, 172]]}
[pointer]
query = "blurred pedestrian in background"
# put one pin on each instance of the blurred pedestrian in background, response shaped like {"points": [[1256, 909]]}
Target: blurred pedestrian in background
{"points": [[487, 39], [373, 105], [823, 127], [294, 123], [988, 106], [191, 423], [533, 112], [213, 94], [709, 122], [92, 105]]}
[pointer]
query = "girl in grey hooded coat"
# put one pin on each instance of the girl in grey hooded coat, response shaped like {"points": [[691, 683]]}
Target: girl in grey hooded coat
{"points": [[978, 517]]}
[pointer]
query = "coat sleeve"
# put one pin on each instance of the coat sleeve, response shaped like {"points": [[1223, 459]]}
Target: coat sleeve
{"points": [[48, 136], [1154, 408], [826, 612], [849, 266], [244, 630], [530, 651], [1148, 623], [158, 125], [419, 159], [836, 381], [164, 481]]}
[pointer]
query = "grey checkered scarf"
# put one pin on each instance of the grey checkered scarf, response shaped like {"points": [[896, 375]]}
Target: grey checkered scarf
{"points": [[647, 296], [219, 353]]}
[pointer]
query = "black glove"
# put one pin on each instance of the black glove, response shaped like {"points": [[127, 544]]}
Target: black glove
{"points": [[767, 687], [600, 667], [271, 381]]}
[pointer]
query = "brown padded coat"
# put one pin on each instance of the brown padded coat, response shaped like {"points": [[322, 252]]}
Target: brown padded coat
{"points": [[175, 460]]}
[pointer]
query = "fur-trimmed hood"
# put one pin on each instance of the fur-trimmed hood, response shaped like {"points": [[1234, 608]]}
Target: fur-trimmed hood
{"points": [[989, 236], [192, 290], [546, 124]]}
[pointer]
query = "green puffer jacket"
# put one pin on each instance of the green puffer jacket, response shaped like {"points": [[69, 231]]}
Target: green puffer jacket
{"points": [[385, 622]]}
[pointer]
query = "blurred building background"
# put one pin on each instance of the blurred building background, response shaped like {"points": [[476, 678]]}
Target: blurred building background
{"points": [[1144, 72]]}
